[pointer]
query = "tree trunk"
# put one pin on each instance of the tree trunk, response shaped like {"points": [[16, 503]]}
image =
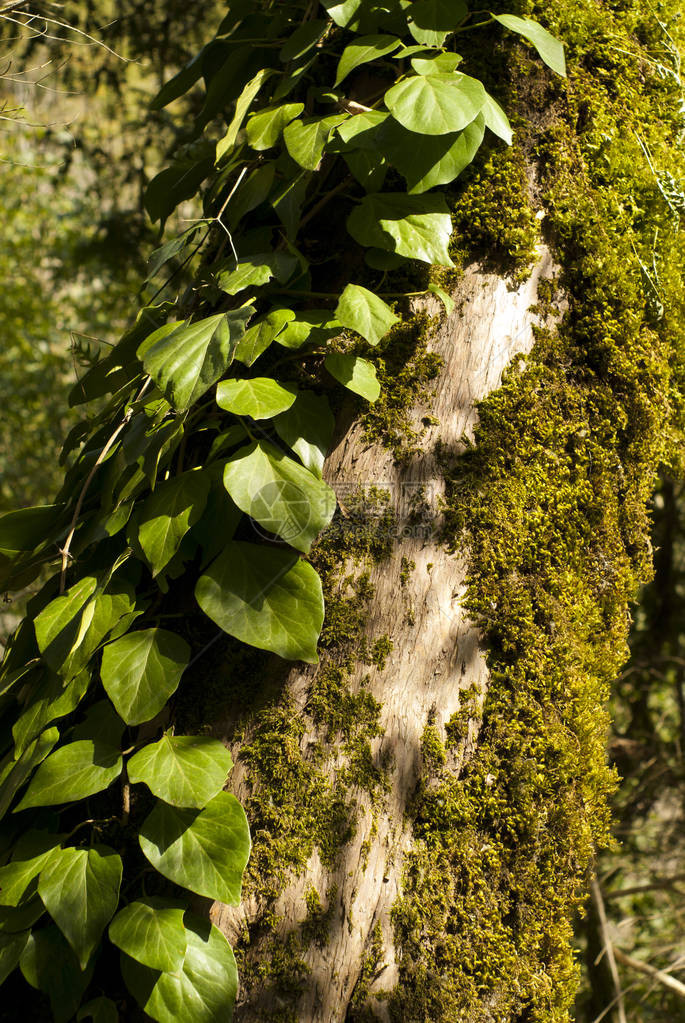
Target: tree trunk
{"points": [[331, 924]]}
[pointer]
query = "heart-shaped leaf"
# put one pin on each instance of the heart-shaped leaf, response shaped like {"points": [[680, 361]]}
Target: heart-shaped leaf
{"points": [[73, 772], [203, 850], [49, 965], [360, 310], [355, 374], [266, 127], [80, 890], [413, 226], [427, 161], [167, 515], [258, 397], [307, 427], [151, 931], [141, 670], [265, 597], [436, 104], [363, 50], [183, 770]]}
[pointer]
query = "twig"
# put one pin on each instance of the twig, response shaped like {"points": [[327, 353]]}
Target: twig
{"points": [[665, 979], [609, 951]]}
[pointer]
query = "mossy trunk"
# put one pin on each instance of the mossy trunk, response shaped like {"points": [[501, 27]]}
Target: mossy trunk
{"points": [[426, 802]]}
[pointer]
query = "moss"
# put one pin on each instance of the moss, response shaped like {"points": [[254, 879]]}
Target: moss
{"points": [[380, 652], [317, 924], [408, 565], [432, 748], [406, 370], [371, 965], [551, 503]]}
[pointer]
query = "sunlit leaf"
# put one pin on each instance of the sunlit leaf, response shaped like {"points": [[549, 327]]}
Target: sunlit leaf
{"points": [[436, 104], [258, 397], [183, 770], [355, 374], [307, 427], [151, 931], [141, 670], [363, 50], [549, 48], [360, 310], [265, 128], [73, 772], [166, 516], [416, 227]]}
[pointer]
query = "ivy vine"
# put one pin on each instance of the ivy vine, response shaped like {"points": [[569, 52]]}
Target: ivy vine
{"points": [[197, 470]]}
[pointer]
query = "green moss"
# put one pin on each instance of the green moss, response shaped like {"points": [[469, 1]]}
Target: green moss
{"points": [[551, 503], [407, 567], [432, 748]]}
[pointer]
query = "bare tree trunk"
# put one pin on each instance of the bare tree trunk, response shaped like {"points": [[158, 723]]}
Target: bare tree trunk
{"points": [[329, 931]]}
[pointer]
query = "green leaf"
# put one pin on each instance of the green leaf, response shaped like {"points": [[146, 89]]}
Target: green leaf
{"points": [[307, 427], [31, 854], [303, 38], [436, 104], [184, 770], [416, 227], [446, 300], [23, 530], [426, 161], [363, 50], [167, 515], [265, 597], [73, 772], [61, 626], [355, 374], [254, 271], [49, 965], [100, 1010], [367, 167], [179, 181], [344, 13], [203, 850], [242, 106], [181, 82], [441, 63], [49, 698], [360, 128], [430, 21], [360, 310], [102, 724], [549, 48], [80, 890], [279, 494], [312, 325], [265, 128], [305, 141], [259, 336], [289, 200], [496, 120], [22, 917], [11, 948], [258, 397], [141, 670], [185, 363], [151, 931], [251, 193], [203, 990], [15, 772], [161, 256]]}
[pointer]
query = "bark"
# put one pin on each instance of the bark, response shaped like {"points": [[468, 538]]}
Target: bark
{"points": [[436, 655]]}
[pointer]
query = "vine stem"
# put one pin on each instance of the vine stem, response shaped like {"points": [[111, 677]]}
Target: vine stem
{"points": [[322, 202], [84, 489]]}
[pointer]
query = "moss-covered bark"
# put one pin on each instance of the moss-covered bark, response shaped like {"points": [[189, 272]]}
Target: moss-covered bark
{"points": [[550, 504]]}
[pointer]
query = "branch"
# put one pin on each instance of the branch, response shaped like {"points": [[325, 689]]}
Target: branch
{"points": [[609, 951], [665, 979]]}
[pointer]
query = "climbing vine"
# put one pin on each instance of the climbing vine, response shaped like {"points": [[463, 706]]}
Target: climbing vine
{"points": [[195, 479]]}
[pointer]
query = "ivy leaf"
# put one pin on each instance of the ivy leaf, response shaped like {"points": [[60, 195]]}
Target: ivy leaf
{"points": [[61, 626], [141, 670], [183, 770], [307, 427], [430, 21], [312, 325], [305, 140], [203, 850], [416, 227], [436, 104], [259, 336], [344, 13], [303, 38], [100, 1010], [73, 772], [26, 529], [254, 271], [242, 106], [203, 989], [360, 310], [265, 128], [251, 193], [426, 161], [265, 597], [441, 63], [49, 698], [186, 362], [258, 397], [167, 515], [282, 496], [31, 854], [80, 890], [179, 181], [363, 50], [13, 919], [549, 48], [446, 299], [360, 129], [161, 256], [355, 374], [151, 931], [11, 948], [14, 773], [496, 120], [368, 168], [289, 200], [49, 965]]}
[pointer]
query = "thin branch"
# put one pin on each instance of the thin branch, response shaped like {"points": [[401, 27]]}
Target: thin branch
{"points": [[609, 951], [665, 979]]}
